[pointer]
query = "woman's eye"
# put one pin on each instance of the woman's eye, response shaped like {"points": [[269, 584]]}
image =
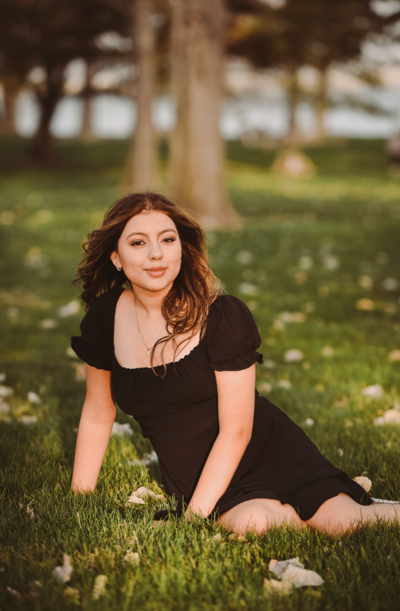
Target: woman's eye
{"points": [[170, 239], [137, 242]]}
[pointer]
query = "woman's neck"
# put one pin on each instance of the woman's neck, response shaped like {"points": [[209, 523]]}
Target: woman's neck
{"points": [[149, 303]]}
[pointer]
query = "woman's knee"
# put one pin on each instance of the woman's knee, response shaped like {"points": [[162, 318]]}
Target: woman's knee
{"points": [[337, 515], [260, 515]]}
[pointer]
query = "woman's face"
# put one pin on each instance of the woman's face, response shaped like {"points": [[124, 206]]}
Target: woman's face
{"points": [[149, 251]]}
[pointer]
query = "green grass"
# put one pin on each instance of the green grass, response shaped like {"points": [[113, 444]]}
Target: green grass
{"points": [[346, 218]]}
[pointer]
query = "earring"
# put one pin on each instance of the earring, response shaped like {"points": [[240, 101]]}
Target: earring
{"points": [[118, 268]]}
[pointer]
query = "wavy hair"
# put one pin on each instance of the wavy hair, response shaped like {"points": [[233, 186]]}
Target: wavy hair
{"points": [[185, 307]]}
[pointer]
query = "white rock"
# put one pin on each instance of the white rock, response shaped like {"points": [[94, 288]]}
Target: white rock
{"points": [[284, 384], [375, 391], [327, 351], [121, 429], [6, 391], [394, 356], [265, 387], [293, 355], [33, 397], [365, 482], [309, 421], [69, 309], [63, 573], [390, 284]]}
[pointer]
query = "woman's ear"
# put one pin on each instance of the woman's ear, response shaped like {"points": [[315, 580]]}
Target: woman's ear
{"points": [[115, 260]]}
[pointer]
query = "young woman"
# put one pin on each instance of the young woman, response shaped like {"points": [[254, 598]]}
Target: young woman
{"points": [[162, 341]]}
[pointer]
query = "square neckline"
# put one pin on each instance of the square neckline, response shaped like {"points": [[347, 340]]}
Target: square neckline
{"points": [[155, 366]]}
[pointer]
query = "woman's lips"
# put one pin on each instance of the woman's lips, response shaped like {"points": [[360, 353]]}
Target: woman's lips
{"points": [[156, 272]]}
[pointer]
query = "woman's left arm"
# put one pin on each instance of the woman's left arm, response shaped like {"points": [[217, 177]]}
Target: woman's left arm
{"points": [[236, 398]]}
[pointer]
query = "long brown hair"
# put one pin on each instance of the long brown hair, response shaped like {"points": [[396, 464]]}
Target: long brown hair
{"points": [[185, 307]]}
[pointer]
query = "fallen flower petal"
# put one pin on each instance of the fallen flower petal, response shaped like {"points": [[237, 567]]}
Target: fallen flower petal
{"points": [[365, 482], [271, 586], [300, 577], [63, 573], [99, 587], [375, 391], [132, 557]]}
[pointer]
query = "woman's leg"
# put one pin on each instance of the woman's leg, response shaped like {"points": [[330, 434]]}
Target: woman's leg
{"points": [[341, 514], [259, 515]]}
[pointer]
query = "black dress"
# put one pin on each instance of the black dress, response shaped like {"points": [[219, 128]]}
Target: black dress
{"points": [[179, 413]]}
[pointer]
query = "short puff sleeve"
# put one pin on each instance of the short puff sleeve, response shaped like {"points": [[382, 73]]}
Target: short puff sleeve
{"points": [[95, 346], [233, 336]]}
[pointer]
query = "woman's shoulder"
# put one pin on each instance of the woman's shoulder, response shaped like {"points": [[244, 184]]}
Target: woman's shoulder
{"points": [[226, 304], [106, 301]]}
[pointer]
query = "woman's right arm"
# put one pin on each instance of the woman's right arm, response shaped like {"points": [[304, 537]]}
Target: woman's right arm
{"points": [[98, 415]]}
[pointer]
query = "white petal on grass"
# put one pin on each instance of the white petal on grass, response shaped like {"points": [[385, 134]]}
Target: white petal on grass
{"points": [[394, 356], [4, 408], [293, 355], [375, 391], [99, 588], [269, 364], [309, 422], [6, 391], [132, 557], [331, 263], [246, 288], [148, 459], [327, 351], [28, 419], [390, 284], [48, 323], [366, 282], [121, 429], [62, 574], [305, 262], [69, 309], [284, 384], [264, 387], [33, 397], [364, 482], [143, 492], [365, 304], [293, 573], [244, 257]]}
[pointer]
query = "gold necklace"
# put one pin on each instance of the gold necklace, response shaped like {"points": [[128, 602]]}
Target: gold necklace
{"points": [[148, 350]]}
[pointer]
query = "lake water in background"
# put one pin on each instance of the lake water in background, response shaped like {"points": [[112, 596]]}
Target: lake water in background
{"points": [[115, 116]]}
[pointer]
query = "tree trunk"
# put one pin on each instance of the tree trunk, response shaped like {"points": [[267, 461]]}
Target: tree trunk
{"points": [[320, 104], [197, 155], [293, 100], [7, 118], [142, 156], [86, 126], [42, 150]]}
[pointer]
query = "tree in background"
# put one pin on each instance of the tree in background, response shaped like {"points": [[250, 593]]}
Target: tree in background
{"points": [[197, 155], [47, 35], [299, 33]]}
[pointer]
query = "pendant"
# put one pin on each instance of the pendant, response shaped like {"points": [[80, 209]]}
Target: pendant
{"points": [[148, 352]]}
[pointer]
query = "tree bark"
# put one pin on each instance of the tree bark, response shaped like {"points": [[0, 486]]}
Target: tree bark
{"points": [[142, 156], [7, 118], [42, 150], [197, 154], [293, 100], [86, 126], [320, 104]]}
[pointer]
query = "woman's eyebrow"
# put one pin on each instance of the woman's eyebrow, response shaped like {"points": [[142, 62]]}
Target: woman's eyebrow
{"points": [[146, 234]]}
